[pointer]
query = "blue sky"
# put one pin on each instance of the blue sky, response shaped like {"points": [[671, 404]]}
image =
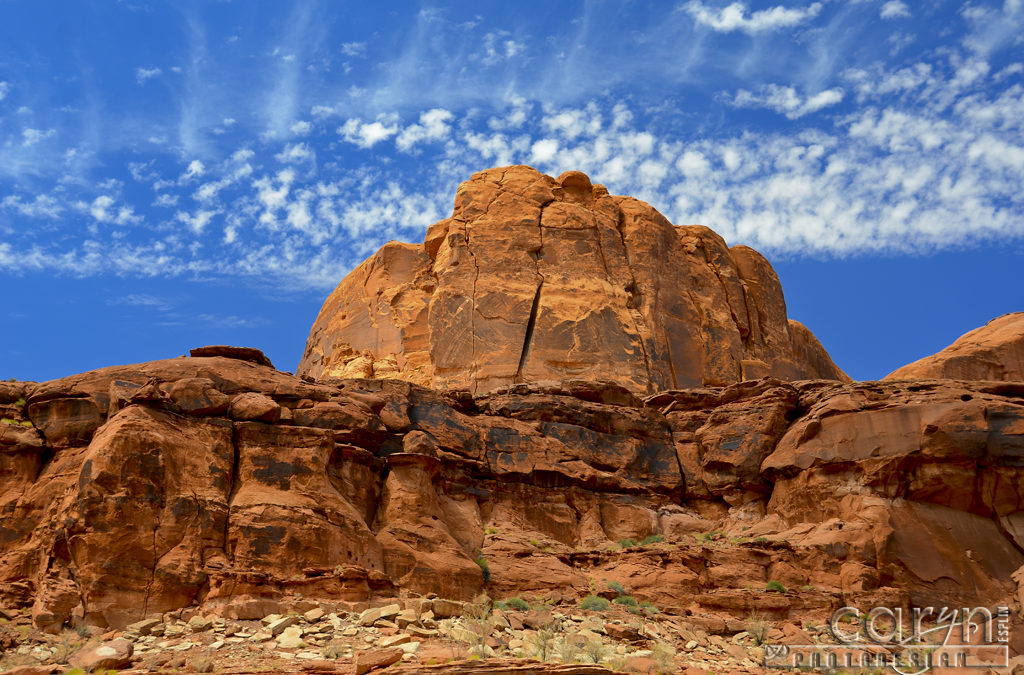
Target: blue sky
{"points": [[181, 174]]}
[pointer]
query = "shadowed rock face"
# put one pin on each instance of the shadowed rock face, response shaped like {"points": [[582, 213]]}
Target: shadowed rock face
{"points": [[224, 484], [993, 352], [534, 279]]}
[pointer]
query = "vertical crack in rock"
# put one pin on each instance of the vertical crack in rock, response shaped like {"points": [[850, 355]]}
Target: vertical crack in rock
{"points": [[633, 290], [531, 322], [671, 362], [472, 315], [725, 290], [232, 489]]}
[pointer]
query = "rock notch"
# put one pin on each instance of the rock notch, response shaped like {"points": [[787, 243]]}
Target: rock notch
{"points": [[536, 279]]}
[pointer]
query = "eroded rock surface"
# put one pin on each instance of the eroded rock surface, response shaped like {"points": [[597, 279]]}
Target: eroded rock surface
{"points": [[534, 279], [137, 490]]}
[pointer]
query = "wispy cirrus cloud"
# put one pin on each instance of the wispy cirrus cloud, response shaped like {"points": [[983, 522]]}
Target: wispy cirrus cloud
{"points": [[786, 100]]}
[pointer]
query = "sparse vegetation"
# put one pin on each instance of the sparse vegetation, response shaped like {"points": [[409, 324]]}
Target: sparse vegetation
{"points": [[481, 562], [335, 649], [542, 641], [626, 600], [479, 624], [513, 603], [652, 539], [758, 629], [775, 586], [8, 420], [616, 587], [595, 650], [491, 530], [714, 535], [664, 657], [760, 540], [627, 543], [594, 603]]}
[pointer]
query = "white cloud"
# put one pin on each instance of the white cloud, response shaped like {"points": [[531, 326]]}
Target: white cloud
{"points": [[734, 17], [195, 169], [102, 212], [166, 200], [296, 153], [894, 9], [353, 48], [434, 126], [32, 136], [786, 100], [301, 128], [366, 135], [198, 221], [42, 206], [543, 151], [4, 89], [499, 46], [143, 74]]}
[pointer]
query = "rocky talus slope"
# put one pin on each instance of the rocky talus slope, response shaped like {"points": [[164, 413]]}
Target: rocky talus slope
{"points": [[534, 279]]}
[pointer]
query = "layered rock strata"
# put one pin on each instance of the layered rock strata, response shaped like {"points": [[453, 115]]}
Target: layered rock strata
{"points": [[227, 485]]}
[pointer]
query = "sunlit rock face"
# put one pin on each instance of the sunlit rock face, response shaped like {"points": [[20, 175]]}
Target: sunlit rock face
{"points": [[536, 279]]}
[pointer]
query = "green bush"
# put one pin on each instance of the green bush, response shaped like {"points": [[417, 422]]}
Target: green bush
{"points": [[484, 567], [626, 600], [652, 539], [594, 603], [649, 606], [775, 586], [627, 543], [617, 587], [515, 603]]}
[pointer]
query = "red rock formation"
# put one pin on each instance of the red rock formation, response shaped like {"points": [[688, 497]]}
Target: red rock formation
{"points": [[222, 483], [993, 352], [534, 279]]}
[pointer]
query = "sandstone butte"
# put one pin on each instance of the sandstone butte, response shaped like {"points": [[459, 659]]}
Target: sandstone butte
{"points": [[219, 484], [534, 279]]}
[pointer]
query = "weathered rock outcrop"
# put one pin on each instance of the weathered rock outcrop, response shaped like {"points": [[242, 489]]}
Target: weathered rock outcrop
{"points": [[534, 279], [222, 483], [993, 352]]}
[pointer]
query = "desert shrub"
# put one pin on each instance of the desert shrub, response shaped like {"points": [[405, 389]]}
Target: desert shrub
{"points": [[481, 562], [652, 539], [617, 587], [627, 543], [334, 649], [758, 629], [626, 600], [775, 586], [594, 603], [513, 603]]}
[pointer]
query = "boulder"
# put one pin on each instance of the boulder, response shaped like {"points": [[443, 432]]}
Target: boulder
{"points": [[113, 655]]}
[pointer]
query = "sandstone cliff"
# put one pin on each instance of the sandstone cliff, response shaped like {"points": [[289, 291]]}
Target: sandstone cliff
{"points": [[534, 279], [993, 352], [225, 484]]}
